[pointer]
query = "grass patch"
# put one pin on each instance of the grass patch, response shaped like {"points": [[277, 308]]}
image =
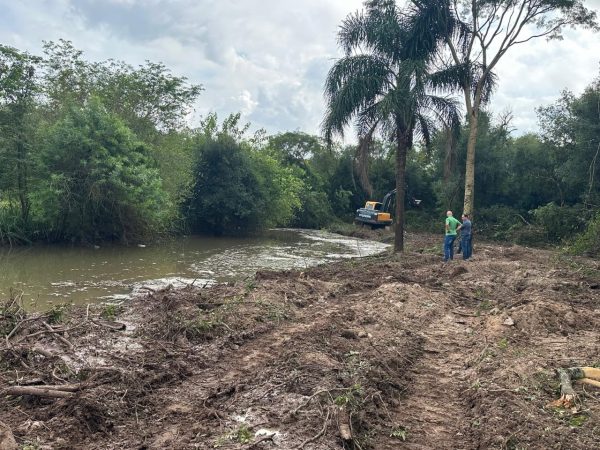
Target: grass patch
{"points": [[241, 435], [111, 311], [503, 344], [352, 398], [57, 313], [399, 433]]}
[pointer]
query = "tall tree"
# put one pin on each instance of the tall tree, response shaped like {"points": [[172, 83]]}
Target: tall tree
{"points": [[149, 98], [571, 128], [488, 29], [383, 82], [18, 88]]}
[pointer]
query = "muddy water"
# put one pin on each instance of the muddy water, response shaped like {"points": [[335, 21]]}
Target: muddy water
{"points": [[53, 274]]}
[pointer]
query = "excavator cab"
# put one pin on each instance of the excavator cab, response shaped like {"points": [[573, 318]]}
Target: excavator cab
{"points": [[377, 214], [375, 206]]}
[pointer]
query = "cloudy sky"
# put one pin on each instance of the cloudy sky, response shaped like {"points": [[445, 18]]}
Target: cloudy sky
{"points": [[269, 58]]}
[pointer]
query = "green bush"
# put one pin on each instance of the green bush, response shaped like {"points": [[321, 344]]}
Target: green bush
{"points": [[560, 222], [100, 184], [315, 211], [424, 221], [548, 224], [531, 235], [498, 222], [588, 242], [237, 188]]}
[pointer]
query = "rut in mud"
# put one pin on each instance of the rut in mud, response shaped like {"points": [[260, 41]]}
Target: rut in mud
{"points": [[379, 353]]}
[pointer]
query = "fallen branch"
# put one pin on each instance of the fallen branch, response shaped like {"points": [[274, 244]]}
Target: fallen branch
{"points": [[60, 338], [111, 325], [58, 387], [42, 351], [318, 435], [43, 391], [17, 326], [30, 382], [323, 391], [47, 331]]}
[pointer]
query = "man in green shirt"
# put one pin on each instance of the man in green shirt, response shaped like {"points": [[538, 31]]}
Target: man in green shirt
{"points": [[452, 226]]}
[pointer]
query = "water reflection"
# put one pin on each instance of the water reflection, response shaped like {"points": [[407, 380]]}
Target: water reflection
{"points": [[55, 274]]}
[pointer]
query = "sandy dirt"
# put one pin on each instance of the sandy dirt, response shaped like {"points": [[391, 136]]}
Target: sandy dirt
{"points": [[386, 352]]}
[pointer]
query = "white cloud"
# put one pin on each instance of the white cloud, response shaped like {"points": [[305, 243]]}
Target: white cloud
{"points": [[268, 58]]}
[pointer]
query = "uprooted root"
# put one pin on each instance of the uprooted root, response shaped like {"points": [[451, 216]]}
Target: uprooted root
{"points": [[568, 397]]}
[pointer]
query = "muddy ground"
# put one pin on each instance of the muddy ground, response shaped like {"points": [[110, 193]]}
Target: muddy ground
{"points": [[388, 352]]}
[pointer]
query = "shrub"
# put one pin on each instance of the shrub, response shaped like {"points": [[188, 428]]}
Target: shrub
{"points": [[588, 242], [424, 221], [101, 183], [560, 222], [498, 222], [237, 188]]}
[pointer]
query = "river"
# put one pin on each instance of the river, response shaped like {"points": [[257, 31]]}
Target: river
{"points": [[49, 275]]}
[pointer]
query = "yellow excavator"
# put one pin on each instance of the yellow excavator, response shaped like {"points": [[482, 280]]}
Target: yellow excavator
{"points": [[378, 214]]}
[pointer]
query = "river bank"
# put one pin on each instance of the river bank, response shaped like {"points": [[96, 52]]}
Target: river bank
{"points": [[382, 352]]}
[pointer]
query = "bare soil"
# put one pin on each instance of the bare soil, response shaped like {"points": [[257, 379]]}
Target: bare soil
{"points": [[386, 352]]}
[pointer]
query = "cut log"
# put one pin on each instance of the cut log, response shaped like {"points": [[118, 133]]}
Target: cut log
{"points": [[344, 424], [60, 387], [588, 375], [43, 351], [590, 382], [38, 391], [591, 372]]}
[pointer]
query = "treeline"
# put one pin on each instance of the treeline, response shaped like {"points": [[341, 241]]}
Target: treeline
{"points": [[104, 151], [95, 151], [532, 189]]}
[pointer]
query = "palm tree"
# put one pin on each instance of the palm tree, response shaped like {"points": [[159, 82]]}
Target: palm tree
{"points": [[384, 83]]}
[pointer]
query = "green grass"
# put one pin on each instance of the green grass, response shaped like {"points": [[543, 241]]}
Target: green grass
{"points": [[399, 433], [111, 311], [57, 313]]}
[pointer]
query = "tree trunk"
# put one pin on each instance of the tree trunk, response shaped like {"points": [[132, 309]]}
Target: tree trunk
{"points": [[22, 180], [362, 166], [470, 167], [450, 155], [401, 150], [362, 162]]}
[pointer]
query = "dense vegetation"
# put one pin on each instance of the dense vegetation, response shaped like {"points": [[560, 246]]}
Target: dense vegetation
{"points": [[103, 151]]}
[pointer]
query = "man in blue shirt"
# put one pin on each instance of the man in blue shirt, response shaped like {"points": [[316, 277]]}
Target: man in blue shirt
{"points": [[466, 237]]}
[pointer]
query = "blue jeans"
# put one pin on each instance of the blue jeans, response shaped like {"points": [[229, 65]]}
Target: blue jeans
{"points": [[449, 247], [466, 246]]}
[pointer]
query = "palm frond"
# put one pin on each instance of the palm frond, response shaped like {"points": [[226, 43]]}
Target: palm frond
{"points": [[376, 31], [353, 85], [450, 78]]}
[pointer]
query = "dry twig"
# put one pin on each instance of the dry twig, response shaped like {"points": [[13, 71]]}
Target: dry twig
{"points": [[319, 434]]}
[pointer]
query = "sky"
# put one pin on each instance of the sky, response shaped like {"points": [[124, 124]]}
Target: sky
{"points": [[268, 59]]}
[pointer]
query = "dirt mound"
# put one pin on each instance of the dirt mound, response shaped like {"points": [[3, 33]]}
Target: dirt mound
{"points": [[378, 353]]}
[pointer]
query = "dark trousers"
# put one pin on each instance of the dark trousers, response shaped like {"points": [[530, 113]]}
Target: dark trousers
{"points": [[466, 245], [449, 247]]}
